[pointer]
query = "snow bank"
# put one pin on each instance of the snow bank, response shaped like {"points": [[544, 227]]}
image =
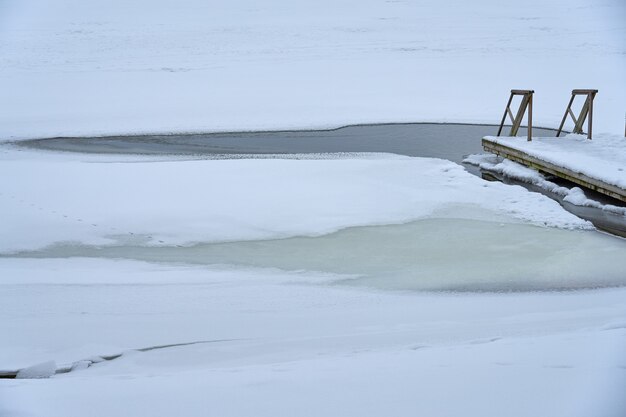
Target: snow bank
{"points": [[41, 370], [180, 202], [111, 66]]}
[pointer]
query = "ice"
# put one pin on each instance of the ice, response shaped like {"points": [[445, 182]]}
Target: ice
{"points": [[99, 200], [431, 254], [157, 66], [80, 365], [41, 370], [295, 341], [574, 195], [616, 325], [288, 344]]}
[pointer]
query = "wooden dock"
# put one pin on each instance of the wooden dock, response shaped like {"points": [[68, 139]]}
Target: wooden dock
{"points": [[579, 178]]}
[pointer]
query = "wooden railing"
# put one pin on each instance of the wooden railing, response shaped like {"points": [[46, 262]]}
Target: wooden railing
{"points": [[526, 103], [586, 110]]}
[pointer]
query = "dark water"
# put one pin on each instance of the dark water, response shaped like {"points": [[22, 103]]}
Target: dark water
{"points": [[445, 141]]}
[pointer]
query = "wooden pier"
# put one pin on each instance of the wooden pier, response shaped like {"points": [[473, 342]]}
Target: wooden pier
{"points": [[491, 145]]}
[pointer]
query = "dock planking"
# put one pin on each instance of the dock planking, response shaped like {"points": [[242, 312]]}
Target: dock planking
{"points": [[556, 170]]}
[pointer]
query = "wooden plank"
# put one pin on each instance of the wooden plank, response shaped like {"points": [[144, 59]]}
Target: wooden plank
{"points": [[579, 91], [508, 104], [571, 113], [562, 172], [526, 103], [520, 115], [569, 109], [578, 127], [590, 121], [510, 115]]}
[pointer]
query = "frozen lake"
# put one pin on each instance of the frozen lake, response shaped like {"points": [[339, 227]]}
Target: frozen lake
{"points": [[467, 249], [431, 255], [315, 276], [328, 265], [433, 140]]}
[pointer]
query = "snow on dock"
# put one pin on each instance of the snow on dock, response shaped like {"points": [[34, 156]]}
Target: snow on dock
{"points": [[598, 164]]}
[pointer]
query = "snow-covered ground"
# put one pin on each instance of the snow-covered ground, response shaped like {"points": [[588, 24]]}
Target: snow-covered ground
{"points": [[282, 272], [289, 344], [72, 67]]}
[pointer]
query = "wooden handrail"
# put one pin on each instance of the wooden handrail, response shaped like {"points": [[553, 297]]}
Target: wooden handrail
{"points": [[586, 110], [527, 103]]}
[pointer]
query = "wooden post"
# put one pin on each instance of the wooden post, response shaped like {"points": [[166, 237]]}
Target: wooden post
{"points": [[587, 110], [506, 110], [527, 103], [530, 118], [584, 111], [569, 106], [589, 126]]}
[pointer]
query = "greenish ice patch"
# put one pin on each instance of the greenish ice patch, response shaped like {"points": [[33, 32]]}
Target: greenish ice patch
{"points": [[427, 255]]}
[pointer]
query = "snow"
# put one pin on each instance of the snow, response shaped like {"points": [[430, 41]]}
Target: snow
{"points": [[285, 326], [111, 66], [278, 327], [602, 158], [99, 200], [290, 343], [41, 370]]}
